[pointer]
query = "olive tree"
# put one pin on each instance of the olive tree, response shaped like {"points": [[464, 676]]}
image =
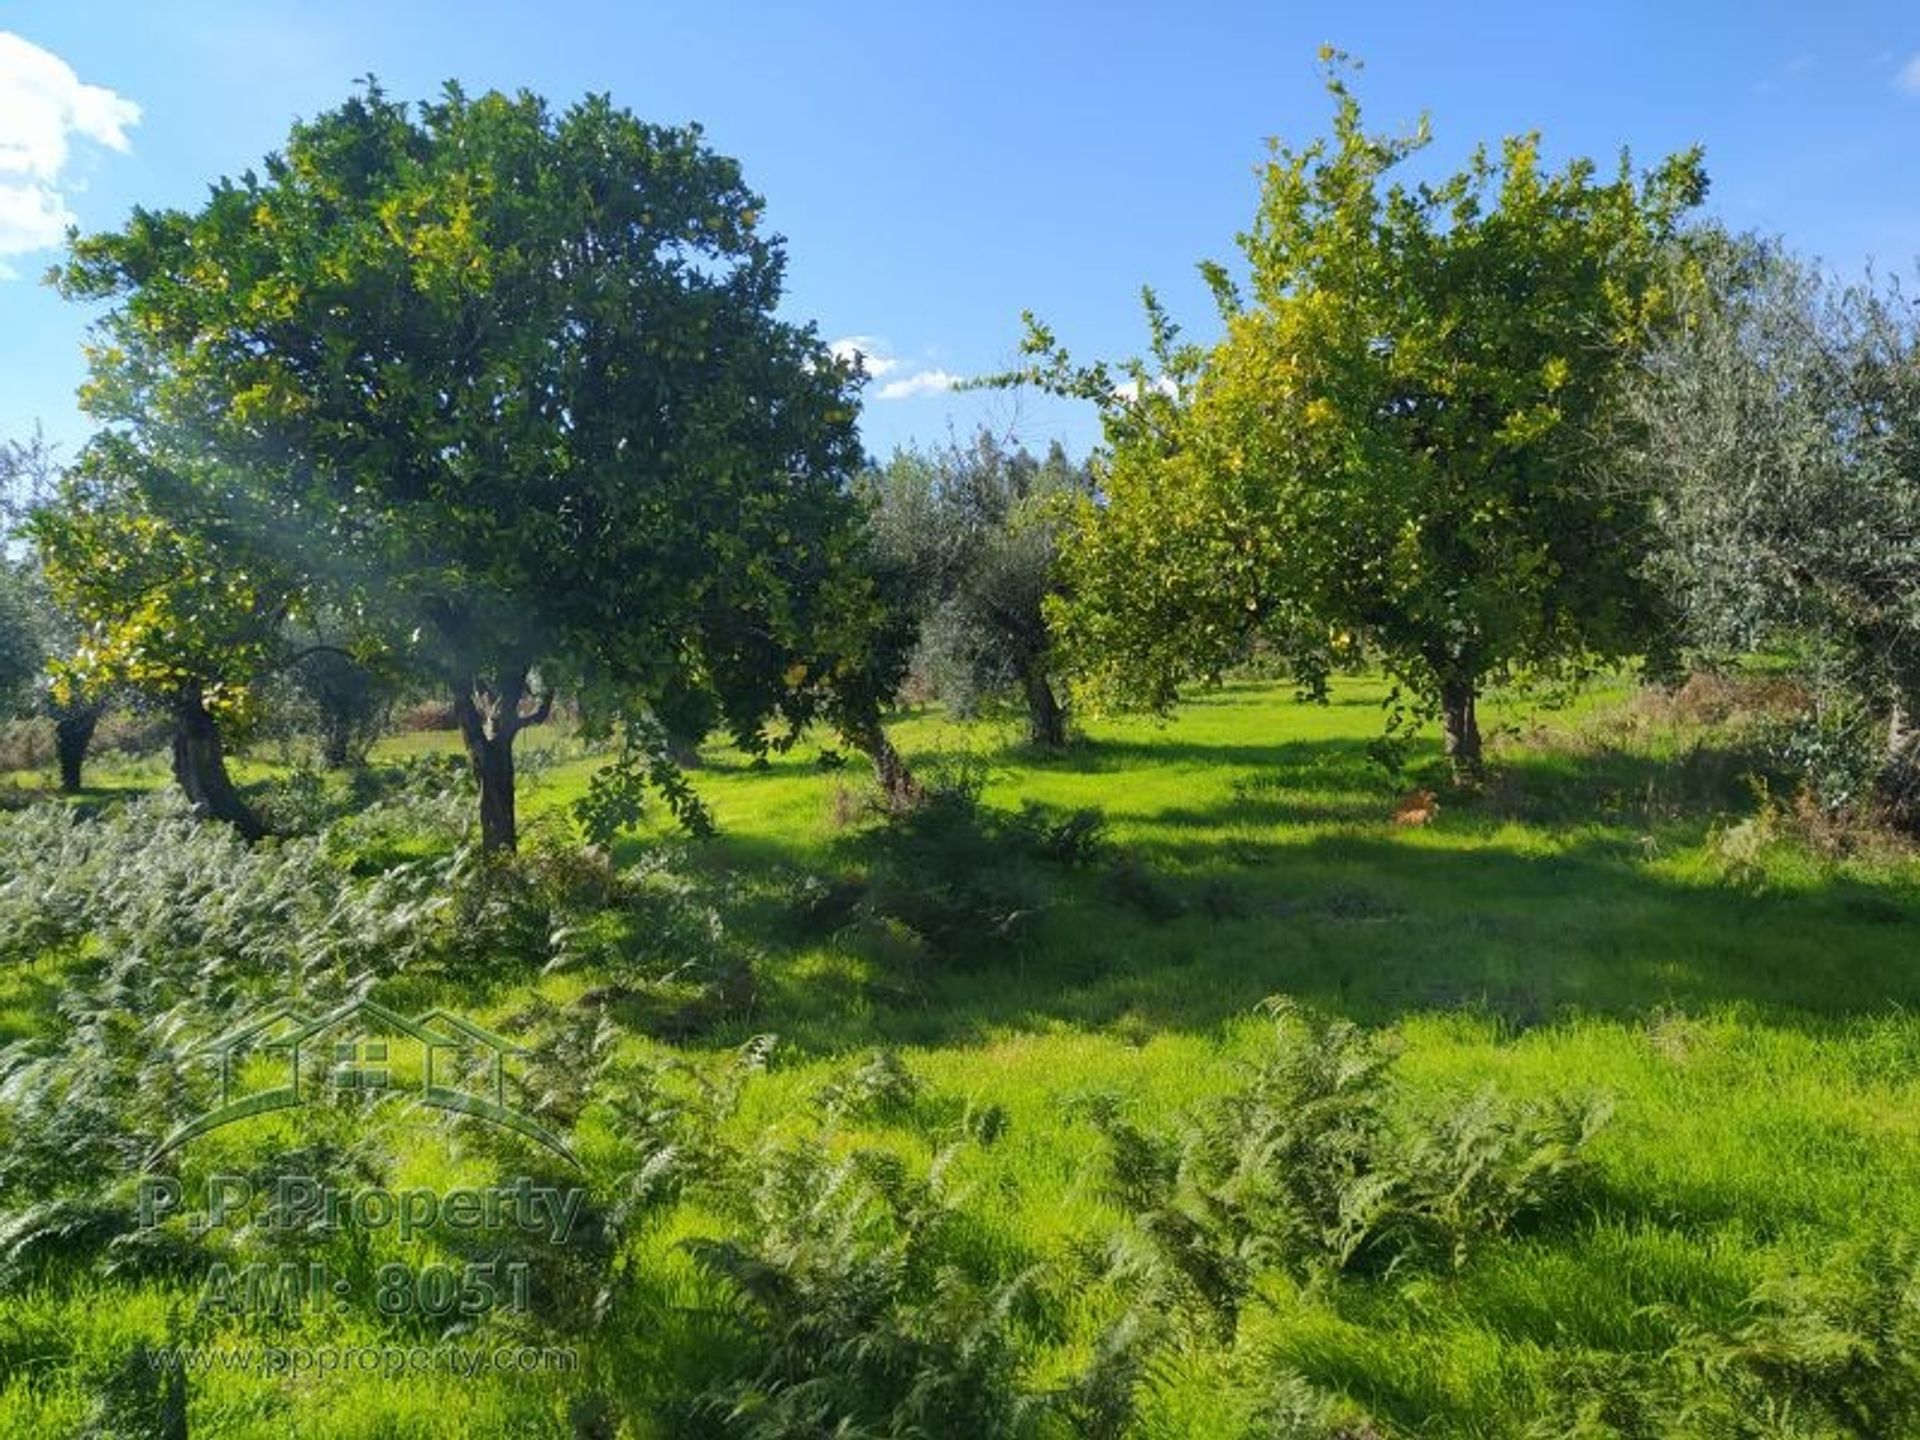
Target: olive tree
{"points": [[42, 641], [977, 527], [41, 634], [343, 700], [21, 658], [1782, 431]]}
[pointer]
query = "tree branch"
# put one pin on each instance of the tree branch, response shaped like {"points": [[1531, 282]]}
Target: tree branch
{"points": [[312, 650], [541, 710]]}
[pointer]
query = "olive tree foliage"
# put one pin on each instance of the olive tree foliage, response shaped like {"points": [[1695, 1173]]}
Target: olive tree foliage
{"points": [[976, 527], [1782, 431], [22, 655], [21, 658], [344, 700], [1405, 439], [507, 385], [37, 634]]}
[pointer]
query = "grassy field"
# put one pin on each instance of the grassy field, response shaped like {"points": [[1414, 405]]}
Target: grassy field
{"points": [[1617, 919]]}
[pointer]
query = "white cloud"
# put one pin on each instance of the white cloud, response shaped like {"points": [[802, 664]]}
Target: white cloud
{"points": [[873, 351], [880, 362], [921, 382], [43, 108], [1130, 389], [1909, 77]]}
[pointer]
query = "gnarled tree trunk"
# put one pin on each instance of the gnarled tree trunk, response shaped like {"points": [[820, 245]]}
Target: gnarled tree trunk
{"points": [[489, 718], [200, 765], [898, 788], [73, 729], [336, 743], [1462, 727], [1046, 716]]}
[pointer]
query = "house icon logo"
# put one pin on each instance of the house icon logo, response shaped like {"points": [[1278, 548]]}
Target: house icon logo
{"points": [[363, 1050]]}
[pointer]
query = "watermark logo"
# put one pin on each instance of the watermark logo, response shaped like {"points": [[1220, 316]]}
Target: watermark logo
{"points": [[363, 1049]]}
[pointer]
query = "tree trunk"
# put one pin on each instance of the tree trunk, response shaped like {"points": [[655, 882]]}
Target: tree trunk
{"points": [[489, 719], [492, 758], [336, 743], [1462, 727], [1046, 716], [200, 765], [490, 752], [898, 788], [72, 736]]}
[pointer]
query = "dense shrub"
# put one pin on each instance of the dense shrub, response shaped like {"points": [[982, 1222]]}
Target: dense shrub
{"points": [[1837, 1344], [1837, 751], [880, 1087], [26, 744], [170, 929], [1827, 1348], [422, 802]]}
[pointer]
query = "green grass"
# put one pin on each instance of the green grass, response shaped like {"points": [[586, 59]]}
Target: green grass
{"points": [[1583, 927]]}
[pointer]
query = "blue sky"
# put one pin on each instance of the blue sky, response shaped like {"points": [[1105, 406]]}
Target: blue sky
{"points": [[938, 168]]}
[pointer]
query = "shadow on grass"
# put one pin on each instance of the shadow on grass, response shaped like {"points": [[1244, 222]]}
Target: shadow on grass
{"points": [[30, 1000], [1364, 920], [1612, 784], [1167, 751], [86, 798]]}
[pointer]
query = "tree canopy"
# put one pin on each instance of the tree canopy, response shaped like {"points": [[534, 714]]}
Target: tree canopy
{"points": [[974, 530], [507, 384], [1405, 438], [22, 618], [1782, 434]]}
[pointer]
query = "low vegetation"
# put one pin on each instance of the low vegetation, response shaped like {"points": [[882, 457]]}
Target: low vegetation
{"points": [[1577, 1119]]}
